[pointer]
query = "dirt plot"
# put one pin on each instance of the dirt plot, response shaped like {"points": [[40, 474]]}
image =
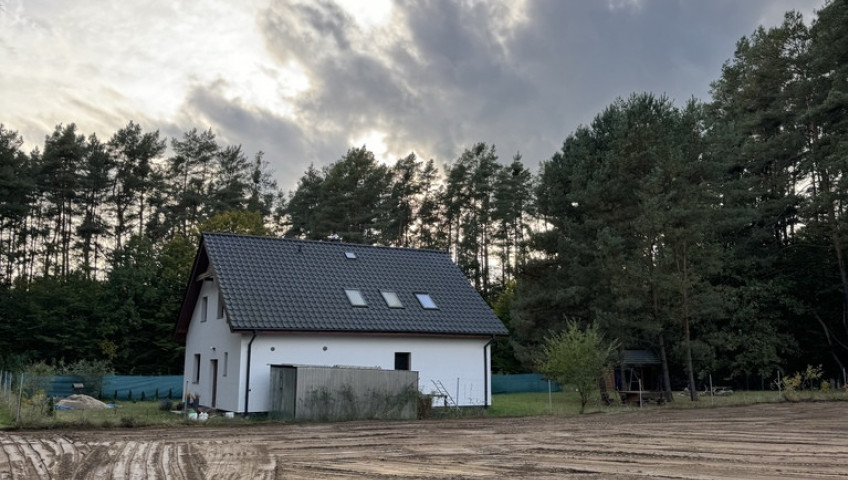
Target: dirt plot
{"points": [[755, 442]]}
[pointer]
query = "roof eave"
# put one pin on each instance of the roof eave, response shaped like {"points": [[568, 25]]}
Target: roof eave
{"points": [[191, 292], [381, 333]]}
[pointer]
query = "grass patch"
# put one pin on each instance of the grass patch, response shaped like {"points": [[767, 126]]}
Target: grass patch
{"points": [[568, 403], [6, 417], [532, 404], [126, 415], [149, 413], [737, 398]]}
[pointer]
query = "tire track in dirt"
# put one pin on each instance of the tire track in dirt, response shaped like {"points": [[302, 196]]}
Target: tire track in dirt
{"points": [[188, 461], [155, 461], [122, 460], [27, 458], [93, 463]]}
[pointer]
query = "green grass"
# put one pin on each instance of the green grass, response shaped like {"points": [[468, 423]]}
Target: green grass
{"points": [[6, 418], [531, 404], [139, 414], [568, 403]]}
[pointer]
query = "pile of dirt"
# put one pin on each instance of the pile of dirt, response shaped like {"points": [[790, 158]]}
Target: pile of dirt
{"points": [[82, 402]]}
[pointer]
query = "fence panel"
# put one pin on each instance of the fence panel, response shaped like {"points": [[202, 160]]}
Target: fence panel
{"points": [[522, 383], [116, 387]]}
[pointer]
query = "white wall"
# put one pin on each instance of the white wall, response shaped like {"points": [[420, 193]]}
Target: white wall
{"points": [[458, 363], [213, 340], [455, 362]]}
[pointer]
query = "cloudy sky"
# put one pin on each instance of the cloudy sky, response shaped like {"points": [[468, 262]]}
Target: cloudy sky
{"points": [[305, 80]]}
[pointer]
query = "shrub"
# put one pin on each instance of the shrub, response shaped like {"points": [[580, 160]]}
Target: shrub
{"points": [[578, 357]]}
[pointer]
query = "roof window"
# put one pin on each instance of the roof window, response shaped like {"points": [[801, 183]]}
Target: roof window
{"points": [[392, 299], [350, 255], [426, 301], [355, 297]]}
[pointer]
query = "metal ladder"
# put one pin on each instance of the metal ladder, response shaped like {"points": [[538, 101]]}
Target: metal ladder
{"points": [[443, 392]]}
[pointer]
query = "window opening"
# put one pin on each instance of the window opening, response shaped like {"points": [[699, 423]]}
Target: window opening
{"points": [[350, 255], [220, 306], [392, 299], [402, 361], [226, 363], [355, 297], [426, 301], [204, 308], [196, 368]]}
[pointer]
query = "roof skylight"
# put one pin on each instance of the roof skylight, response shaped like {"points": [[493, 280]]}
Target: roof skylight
{"points": [[350, 255], [392, 299], [426, 301], [355, 297]]}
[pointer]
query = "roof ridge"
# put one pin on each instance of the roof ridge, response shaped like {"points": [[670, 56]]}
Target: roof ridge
{"points": [[322, 242]]}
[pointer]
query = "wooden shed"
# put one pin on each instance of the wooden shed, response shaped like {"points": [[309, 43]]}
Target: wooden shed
{"points": [[319, 393]]}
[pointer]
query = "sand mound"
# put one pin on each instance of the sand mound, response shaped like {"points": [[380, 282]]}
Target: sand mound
{"points": [[82, 402]]}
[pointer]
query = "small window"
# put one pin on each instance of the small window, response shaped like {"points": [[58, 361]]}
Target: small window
{"points": [[226, 363], [220, 306], [350, 255], [425, 301], [392, 299], [204, 308], [196, 368], [401, 360], [355, 297]]}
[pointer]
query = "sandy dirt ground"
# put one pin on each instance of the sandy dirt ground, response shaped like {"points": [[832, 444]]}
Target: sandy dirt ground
{"points": [[808, 440]]}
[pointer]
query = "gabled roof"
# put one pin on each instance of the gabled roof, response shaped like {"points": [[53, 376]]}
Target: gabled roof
{"points": [[287, 285]]}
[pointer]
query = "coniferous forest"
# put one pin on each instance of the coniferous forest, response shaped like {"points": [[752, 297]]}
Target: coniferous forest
{"points": [[712, 232]]}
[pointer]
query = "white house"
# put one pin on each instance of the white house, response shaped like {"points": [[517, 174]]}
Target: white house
{"points": [[253, 302]]}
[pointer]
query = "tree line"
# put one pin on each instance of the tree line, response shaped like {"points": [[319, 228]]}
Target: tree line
{"points": [[711, 232]]}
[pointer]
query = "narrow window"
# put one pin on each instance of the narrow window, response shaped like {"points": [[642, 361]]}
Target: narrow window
{"points": [[226, 363], [204, 308], [355, 297], [392, 300], [220, 306], [401, 360], [425, 301], [196, 368]]}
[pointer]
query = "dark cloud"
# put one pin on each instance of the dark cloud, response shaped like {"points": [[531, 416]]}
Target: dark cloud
{"points": [[461, 75], [287, 146]]}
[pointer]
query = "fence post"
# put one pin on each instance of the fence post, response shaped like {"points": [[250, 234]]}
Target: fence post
{"points": [[20, 398]]}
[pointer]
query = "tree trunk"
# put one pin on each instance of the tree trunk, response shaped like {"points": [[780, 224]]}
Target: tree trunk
{"points": [[666, 376], [682, 266]]}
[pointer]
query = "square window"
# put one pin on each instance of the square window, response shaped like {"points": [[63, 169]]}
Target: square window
{"points": [[402, 361], [392, 299], [355, 297], [425, 301]]}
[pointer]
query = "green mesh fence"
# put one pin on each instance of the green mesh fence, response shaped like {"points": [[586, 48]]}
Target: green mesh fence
{"points": [[522, 383]]}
